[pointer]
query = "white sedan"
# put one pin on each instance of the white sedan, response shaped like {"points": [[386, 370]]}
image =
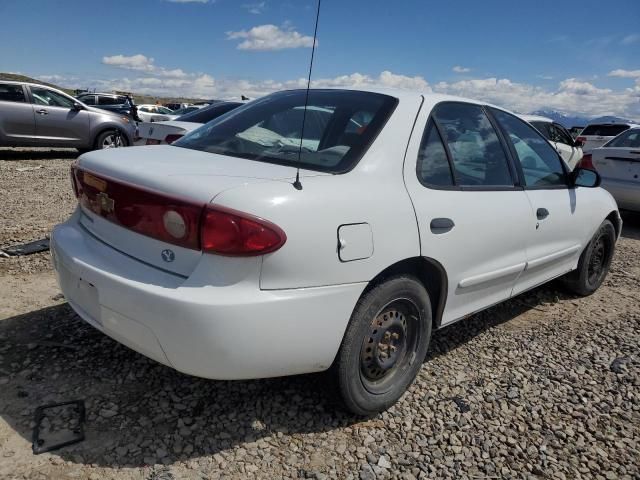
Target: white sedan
{"points": [[154, 113], [618, 162], [157, 133], [218, 257], [569, 149]]}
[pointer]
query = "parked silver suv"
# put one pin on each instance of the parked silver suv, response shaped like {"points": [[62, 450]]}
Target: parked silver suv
{"points": [[33, 115]]}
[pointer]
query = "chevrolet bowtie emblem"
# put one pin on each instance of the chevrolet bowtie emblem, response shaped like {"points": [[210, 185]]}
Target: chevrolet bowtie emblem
{"points": [[105, 203]]}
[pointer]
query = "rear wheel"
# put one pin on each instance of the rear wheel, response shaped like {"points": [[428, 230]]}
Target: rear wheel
{"points": [[110, 139], [384, 345], [594, 262]]}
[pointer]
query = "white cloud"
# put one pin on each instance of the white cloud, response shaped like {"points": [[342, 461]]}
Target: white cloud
{"points": [[142, 63], [270, 37], [255, 8], [630, 39], [625, 73], [544, 77], [459, 69], [572, 96]]}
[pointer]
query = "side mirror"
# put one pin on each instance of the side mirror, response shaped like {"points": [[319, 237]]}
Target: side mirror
{"points": [[77, 107], [583, 177]]}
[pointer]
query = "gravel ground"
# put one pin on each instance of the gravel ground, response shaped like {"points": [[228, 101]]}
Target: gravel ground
{"points": [[543, 386]]}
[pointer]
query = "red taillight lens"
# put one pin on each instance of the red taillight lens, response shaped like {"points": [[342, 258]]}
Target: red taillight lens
{"points": [[229, 232], [586, 162], [581, 139], [172, 138], [143, 211]]}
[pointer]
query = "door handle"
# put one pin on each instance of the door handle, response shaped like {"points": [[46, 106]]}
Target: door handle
{"points": [[542, 213], [42, 112], [441, 225]]}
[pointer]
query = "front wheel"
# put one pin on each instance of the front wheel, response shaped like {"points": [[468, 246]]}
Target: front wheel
{"points": [[384, 345], [110, 139], [594, 262]]}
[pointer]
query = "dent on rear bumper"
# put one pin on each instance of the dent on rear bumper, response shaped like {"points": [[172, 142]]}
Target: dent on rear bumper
{"points": [[217, 323]]}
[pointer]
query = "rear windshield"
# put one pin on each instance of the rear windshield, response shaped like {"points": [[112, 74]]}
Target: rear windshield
{"points": [[604, 130], [206, 114], [629, 139], [339, 127]]}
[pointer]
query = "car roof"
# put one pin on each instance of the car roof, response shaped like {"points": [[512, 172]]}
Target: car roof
{"points": [[610, 124], [430, 97], [535, 118]]}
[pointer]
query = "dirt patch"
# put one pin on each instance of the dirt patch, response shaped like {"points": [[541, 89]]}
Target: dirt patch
{"points": [[546, 385]]}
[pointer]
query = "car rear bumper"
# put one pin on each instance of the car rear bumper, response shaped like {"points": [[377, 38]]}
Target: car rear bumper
{"points": [[626, 194], [224, 332]]}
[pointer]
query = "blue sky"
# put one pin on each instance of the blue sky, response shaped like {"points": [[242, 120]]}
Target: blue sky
{"points": [[576, 57]]}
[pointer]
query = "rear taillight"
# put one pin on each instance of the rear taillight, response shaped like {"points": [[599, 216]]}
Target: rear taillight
{"points": [[172, 138], [143, 211], [581, 139], [213, 229], [586, 162], [229, 232]]}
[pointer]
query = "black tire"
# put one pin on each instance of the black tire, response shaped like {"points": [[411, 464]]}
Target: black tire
{"points": [[384, 345], [594, 262], [101, 139]]}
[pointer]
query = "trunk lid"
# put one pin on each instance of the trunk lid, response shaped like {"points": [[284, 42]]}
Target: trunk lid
{"points": [[127, 189], [159, 130]]}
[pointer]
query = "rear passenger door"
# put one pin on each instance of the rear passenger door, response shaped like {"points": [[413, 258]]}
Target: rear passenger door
{"points": [[472, 216], [560, 215], [17, 122]]}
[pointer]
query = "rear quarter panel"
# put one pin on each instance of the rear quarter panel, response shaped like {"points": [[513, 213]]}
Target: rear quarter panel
{"points": [[373, 193]]}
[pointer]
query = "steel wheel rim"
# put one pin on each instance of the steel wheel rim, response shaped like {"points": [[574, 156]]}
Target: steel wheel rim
{"points": [[389, 345], [597, 261], [112, 141]]}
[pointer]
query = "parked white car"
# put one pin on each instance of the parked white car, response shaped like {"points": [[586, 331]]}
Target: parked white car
{"points": [[162, 133], [154, 113], [596, 135], [618, 163], [208, 256], [569, 149]]}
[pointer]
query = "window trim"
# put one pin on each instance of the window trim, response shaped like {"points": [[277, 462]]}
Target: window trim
{"points": [[516, 161], [515, 177]]}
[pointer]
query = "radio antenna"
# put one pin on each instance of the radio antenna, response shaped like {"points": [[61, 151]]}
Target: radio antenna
{"points": [[297, 185]]}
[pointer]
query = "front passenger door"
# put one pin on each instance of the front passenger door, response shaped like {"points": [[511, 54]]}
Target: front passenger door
{"points": [[57, 123], [559, 214]]}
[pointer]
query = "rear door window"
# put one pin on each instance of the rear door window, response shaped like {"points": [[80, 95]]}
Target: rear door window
{"points": [[12, 93], [433, 166], [540, 163], [479, 160], [628, 139], [605, 130]]}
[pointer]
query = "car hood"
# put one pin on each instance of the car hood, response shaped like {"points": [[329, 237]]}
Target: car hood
{"points": [[102, 111]]}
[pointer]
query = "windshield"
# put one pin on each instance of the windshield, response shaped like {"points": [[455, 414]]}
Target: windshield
{"points": [[339, 127], [605, 130]]}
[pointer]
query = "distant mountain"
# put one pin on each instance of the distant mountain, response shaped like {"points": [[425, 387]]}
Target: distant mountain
{"points": [[577, 121]]}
